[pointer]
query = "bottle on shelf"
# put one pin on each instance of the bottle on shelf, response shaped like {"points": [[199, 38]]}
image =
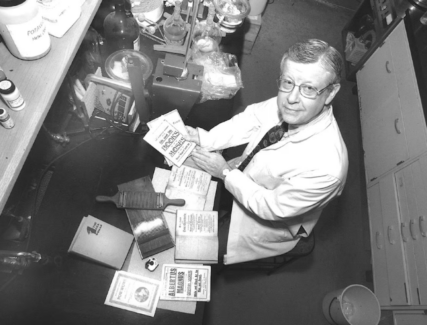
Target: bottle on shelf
{"points": [[207, 34], [121, 30], [174, 27], [23, 29]]}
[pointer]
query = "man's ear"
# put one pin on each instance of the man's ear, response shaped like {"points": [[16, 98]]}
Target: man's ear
{"points": [[332, 93]]}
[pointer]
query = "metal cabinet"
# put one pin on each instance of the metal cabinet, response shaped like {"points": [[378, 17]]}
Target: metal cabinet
{"points": [[392, 119], [394, 136], [398, 222]]}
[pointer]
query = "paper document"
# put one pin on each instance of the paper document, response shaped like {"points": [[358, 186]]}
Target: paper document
{"points": [[190, 184], [170, 142], [186, 282], [173, 118], [134, 293]]}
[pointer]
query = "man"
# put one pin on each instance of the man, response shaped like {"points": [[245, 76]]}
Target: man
{"points": [[279, 193]]}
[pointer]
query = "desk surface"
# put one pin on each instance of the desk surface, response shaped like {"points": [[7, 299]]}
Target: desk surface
{"points": [[38, 82]]}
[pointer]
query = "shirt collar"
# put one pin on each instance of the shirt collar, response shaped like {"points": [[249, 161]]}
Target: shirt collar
{"points": [[318, 124]]}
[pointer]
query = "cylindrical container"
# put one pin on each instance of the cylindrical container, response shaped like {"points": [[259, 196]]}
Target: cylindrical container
{"points": [[5, 119], [11, 95], [354, 305], [23, 29], [121, 30], [257, 7]]}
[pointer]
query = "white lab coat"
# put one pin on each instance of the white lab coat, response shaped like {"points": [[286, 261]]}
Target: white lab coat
{"points": [[285, 186]]}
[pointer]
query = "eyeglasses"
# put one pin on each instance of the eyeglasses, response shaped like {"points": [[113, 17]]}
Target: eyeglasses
{"points": [[307, 91]]}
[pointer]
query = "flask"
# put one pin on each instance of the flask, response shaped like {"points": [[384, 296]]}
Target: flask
{"points": [[174, 27], [23, 29], [5, 119], [121, 30], [207, 34], [11, 95]]}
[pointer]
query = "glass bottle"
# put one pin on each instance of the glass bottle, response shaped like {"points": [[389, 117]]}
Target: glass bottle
{"points": [[121, 30], [207, 34], [174, 27]]}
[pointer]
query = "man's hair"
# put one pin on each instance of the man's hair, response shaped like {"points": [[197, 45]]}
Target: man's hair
{"points": [[312, 51]]}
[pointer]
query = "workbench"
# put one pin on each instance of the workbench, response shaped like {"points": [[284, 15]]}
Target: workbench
{"points": [[38, 82]]}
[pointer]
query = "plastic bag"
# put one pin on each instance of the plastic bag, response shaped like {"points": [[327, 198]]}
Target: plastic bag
{"points": [[221, 76]]}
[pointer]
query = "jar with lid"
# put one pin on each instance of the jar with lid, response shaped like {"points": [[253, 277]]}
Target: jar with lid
{"points": [[11, 95], [174, 27], [23, 29], [121, 30]]}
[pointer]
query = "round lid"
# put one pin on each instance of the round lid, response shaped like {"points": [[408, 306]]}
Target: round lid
{"points": [[6, 87], [116, 64], [10, 3]]}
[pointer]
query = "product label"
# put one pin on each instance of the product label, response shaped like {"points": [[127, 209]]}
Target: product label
{"points": [[16, 102], [31, 38]]}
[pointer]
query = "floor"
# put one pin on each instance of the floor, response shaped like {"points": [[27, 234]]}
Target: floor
{"points": [[291, 296], [341, 257]]}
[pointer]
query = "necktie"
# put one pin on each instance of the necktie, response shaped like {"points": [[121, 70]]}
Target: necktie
{"points": [[271, 137]]}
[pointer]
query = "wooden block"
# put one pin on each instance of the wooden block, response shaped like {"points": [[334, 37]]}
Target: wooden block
{"points": [[252, 28]]}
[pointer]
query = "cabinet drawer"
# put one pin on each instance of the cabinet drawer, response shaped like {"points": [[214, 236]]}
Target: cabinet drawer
{"points": [[389, 264], [410, 318]]}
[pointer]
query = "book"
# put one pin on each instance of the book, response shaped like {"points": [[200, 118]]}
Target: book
{"points": [[196, 237], [166, 139], [101, 242], [134, 293], [149, 227], [186, 282], [173, 118], [190, 184]]}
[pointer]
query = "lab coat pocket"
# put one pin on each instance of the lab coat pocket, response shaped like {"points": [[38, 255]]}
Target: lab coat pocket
{"points": [[274, 232]]}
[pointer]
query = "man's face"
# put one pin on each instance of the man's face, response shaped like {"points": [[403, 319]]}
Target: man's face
{"points": [[294, 108]]}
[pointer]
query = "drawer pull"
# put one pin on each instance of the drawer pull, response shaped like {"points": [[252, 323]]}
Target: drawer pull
{"points": [[387, 66], [422, 221], [402, 231], [412, 229], [391, 238], [396, 126], [378, 240]]}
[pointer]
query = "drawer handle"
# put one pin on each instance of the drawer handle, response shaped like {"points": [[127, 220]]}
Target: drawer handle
{"points": [[412, 229], [378, 240], [422, 221], [396, 126], [391, 238], [402, 231], [387, 66]]}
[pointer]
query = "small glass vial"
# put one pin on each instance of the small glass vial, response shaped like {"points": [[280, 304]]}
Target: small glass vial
{"points": [[174, 27], [11, 95], [5, 119]]}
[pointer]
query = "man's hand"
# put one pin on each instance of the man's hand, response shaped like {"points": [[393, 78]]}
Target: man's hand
{"points": [[211, 162], [193, 135]]}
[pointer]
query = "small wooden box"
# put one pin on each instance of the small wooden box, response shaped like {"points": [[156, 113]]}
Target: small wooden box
{"points": [[252, 28]]}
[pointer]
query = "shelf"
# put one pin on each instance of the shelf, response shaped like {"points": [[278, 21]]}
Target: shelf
{"points": [[382, 27], [38, 82]]}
